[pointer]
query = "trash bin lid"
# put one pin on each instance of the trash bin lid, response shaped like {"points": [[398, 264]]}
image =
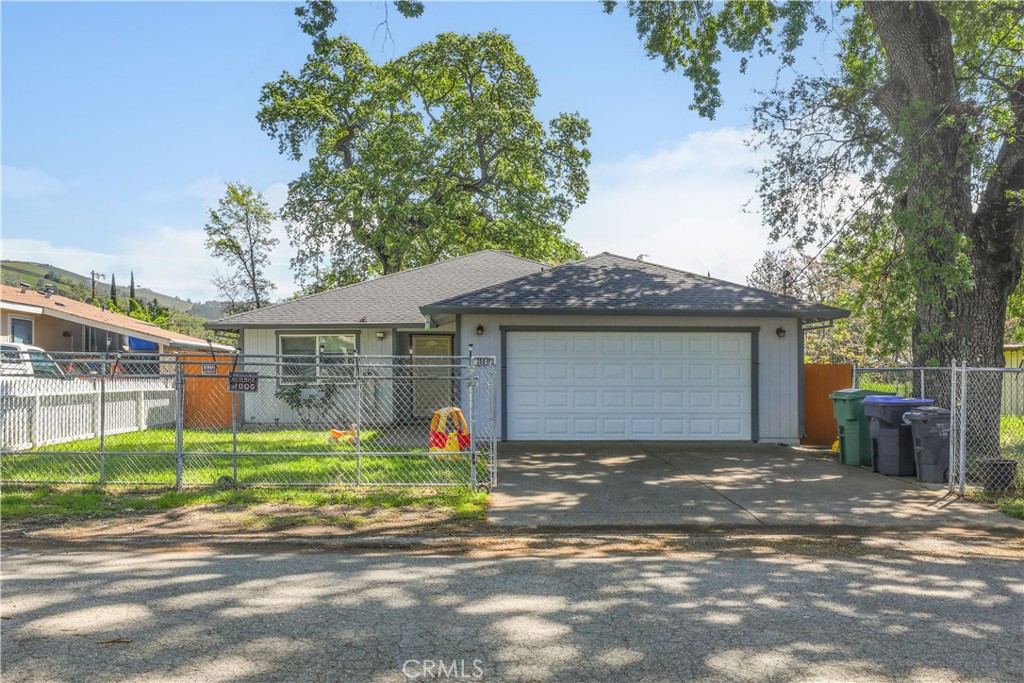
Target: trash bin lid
{"points": [[926, 413], [855, 394], [898, 401]]}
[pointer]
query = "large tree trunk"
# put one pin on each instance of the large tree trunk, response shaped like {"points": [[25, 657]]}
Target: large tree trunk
{"points": [[921, 99], [955, 321]]}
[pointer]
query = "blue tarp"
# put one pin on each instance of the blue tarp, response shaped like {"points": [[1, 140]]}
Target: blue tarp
{"points": [[142, 345]]}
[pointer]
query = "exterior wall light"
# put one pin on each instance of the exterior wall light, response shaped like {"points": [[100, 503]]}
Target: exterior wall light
{"points": [[380, 336], [781, 332], [479, 330]]}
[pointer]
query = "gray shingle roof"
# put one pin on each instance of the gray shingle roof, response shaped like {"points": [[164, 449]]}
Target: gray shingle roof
{"points": [[607, 283], [389, 300]]}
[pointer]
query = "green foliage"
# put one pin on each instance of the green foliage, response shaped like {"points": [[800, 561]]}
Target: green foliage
{"points": [[434, 154], [825, 280], [905, 157], [688, 36], [239, 232], [305, 397], [1015, 316]]}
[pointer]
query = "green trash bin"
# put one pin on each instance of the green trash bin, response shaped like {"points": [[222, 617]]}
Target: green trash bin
{"points": [[854, 428]]}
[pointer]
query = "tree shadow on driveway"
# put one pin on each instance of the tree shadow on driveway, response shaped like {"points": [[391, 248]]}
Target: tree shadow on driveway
{"points": [[717, 614]]}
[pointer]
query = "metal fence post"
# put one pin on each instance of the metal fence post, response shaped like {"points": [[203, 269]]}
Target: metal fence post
{"points": [[493, 424], [923, 393], [954, 439], [179, 425], [472, 429], [234, 437], [359, 421], [963, 428], [856, 378], [103, 430]]}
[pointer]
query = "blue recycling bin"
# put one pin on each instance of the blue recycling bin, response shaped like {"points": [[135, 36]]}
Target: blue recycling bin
{"points": [[892, 444]]}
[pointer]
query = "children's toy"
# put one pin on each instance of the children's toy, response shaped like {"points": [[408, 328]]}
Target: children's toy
{"points": [[347, 435], [445, 439]]}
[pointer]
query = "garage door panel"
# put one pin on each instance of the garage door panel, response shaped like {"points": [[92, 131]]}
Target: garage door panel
{"points": [[642, 372], [730, 427], [626, 385], [672, 399]]}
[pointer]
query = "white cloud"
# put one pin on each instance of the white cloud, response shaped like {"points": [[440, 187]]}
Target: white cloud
{"points": [[20, 183], [169, 259], [208, 189], [682, 206]]}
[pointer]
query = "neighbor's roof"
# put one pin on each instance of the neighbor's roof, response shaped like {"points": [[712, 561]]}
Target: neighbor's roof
{"points": [[57, 306], [389, 300], [607, 283]]}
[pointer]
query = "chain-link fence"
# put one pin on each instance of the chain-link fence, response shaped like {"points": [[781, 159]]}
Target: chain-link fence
{"points": [[259, 420], [987, 429], [986, 420]]}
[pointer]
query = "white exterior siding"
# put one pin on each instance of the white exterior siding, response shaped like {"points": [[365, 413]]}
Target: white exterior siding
{"points": [[265, 407], [778, 358]]}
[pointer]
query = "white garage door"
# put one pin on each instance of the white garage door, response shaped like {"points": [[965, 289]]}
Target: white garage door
{"points": [[628, 385]]}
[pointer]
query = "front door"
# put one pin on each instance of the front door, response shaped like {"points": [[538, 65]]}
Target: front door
{"points": [[432, 385]]}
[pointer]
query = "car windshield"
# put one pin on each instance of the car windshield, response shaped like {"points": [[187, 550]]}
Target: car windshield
{"points": [[43, 365]]}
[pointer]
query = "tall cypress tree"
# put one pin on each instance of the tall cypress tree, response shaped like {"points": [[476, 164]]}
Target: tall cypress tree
{"points": [[113, 291], [131, 289]]}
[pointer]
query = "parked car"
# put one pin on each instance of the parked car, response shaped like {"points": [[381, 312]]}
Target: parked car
{"points": [[23, 359]]}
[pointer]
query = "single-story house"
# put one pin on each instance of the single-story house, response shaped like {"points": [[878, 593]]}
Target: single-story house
{"points": [[59, 324], [608, 347]]}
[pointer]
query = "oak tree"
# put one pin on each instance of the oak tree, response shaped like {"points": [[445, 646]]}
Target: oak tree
{"points": [[907, 154], [433, 154]]}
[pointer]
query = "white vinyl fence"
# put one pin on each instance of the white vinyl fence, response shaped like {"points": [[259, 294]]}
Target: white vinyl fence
{"points": [[41, 411]]}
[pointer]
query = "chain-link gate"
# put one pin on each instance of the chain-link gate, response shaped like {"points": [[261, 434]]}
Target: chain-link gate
{"points": [[987, 429], [986, 406], [199, 419]]}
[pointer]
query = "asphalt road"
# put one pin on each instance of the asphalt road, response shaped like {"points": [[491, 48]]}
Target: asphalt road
{"points": [[782, 613]]}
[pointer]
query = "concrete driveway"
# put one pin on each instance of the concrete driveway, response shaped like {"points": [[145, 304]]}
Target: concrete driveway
{"points": [[713, 485]]}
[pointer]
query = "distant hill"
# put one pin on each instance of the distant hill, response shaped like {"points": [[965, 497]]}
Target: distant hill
{"points": [[76, 286]]}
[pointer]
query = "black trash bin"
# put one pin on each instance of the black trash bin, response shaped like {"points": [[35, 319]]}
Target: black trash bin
{"points": [[892, 446], [929, 429]]}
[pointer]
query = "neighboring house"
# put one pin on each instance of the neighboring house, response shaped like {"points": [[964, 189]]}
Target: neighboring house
{"points": [[59, 324], [604, 348], [1014, 355]]}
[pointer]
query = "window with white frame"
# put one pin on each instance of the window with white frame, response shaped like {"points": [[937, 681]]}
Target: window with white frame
{"points": [[21, 330], [308, 357]]}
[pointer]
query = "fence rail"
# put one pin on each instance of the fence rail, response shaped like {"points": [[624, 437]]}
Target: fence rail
{"points": [[320, 420], [986, 418]]}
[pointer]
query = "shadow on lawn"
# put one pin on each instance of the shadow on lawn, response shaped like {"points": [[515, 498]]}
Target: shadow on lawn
{"points": [[717, 614]]}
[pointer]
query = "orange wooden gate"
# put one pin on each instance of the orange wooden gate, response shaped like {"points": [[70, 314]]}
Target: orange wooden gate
{"points": [[820, 380], [207, 399]]}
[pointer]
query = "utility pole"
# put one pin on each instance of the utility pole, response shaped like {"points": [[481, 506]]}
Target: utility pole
{"points": [[96, 276]]}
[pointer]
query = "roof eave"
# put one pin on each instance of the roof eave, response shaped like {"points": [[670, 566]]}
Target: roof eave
{"points": [[317, 325], [815, 314]]}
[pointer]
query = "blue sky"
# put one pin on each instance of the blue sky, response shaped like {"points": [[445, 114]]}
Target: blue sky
{"points": [[122, 121]]}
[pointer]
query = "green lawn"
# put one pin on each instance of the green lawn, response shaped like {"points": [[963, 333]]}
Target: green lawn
{"points": [[281, 457], [18, 504]]}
